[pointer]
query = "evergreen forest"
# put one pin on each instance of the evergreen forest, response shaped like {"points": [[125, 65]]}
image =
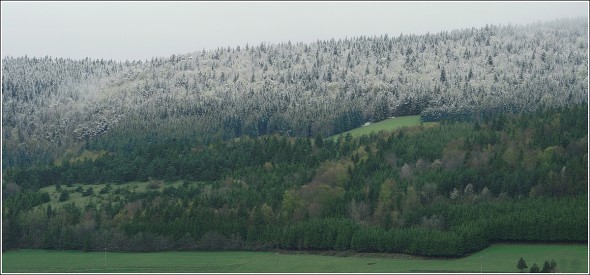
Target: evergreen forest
{"points": [[245, 132]]}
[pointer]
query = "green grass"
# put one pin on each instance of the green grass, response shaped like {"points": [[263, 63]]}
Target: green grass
{"points": [[385, 125], [497, 258], [81, 201]]}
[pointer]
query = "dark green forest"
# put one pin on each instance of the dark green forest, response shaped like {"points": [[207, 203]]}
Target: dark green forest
{"points": [[442, 190]]}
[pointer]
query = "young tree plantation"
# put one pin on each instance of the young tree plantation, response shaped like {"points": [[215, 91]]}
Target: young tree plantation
{"points": [[231, 146]]}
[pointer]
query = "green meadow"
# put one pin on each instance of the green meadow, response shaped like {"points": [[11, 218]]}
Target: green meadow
{"points": [[96, 197], [385, 125], [571, 258]]}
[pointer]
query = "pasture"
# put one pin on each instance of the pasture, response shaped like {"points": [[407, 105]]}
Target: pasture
{"points": [[96, 197], [385, 125], [496, 258]]}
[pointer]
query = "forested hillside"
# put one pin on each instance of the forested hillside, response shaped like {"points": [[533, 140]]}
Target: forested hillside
{"points": [[230, 145], [53, 107], [443, 190]]}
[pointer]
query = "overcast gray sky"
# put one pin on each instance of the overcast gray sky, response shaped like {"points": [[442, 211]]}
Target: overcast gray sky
{"points": [[141, 30]]}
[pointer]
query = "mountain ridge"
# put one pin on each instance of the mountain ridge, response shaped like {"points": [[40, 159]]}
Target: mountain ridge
{"points": [[324, 88]]}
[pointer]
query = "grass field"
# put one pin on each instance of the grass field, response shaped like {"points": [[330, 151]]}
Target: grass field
{"points": [[497, 258], [96, 197], [385, 125]]}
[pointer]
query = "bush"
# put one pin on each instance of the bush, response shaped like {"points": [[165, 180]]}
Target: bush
{"points": [[154, 184], [106, 189], [88, 192], [64, 196]]}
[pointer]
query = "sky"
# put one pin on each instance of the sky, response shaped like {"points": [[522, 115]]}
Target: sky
{"points": [[142, 30]]}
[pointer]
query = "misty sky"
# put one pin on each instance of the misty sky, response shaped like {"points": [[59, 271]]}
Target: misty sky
{"points": [[141, 30]]}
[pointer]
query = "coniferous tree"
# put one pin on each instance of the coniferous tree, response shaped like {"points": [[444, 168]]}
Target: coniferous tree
{"points": [[546, 267], [521, 264], [443, 75], [64, 195]]}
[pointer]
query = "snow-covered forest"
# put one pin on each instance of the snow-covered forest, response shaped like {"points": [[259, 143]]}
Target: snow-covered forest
{"points": [[52, 105]]}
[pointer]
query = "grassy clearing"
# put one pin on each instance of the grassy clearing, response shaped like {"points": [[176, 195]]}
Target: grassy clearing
{"points": [[96, 197], [386, 125], [497, 258]]}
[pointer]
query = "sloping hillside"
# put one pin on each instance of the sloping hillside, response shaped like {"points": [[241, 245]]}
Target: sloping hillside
{"points": [[326, 87]]}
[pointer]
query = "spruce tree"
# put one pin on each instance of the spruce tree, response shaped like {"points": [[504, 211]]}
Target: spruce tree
{"points": [[443, 75], [546, 267], [521, 264]]}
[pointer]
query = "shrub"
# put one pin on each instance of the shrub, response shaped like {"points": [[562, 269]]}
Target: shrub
{"points": [[64, 196], [88, 192], [154, 184]]}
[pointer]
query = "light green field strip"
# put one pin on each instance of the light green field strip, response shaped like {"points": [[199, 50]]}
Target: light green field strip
{"points": [[497, 258], [385, 125]]}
